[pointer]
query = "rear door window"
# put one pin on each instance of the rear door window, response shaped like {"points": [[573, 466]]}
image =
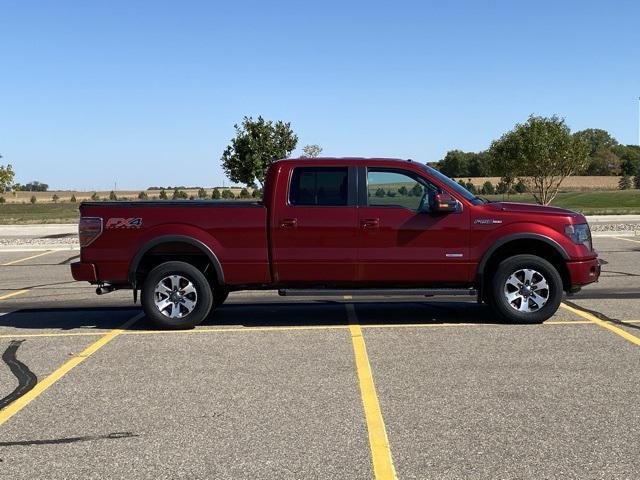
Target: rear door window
{"points": [[319, 186]]}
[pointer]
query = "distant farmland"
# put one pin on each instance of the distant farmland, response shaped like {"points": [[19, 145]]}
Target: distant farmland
{"points": [[65, 195]]}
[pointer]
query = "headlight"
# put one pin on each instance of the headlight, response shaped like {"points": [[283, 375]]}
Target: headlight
{"points": [[579, 234]]}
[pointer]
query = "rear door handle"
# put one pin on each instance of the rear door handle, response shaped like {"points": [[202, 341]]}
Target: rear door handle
{"points": [[289, 223], [370, 223]]}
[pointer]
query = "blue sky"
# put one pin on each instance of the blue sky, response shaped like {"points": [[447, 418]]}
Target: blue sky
{"points": [[146, 93]]}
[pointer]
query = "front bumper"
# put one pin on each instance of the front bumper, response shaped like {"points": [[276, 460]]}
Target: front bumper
{"points": [[84, 272], [584, 272]]}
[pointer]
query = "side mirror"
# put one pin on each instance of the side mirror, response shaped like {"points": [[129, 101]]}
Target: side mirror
{"points": [[444, 203]]}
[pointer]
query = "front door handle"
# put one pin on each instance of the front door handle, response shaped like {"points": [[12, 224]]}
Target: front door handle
{"points": [[289, 223], [370, 223]]}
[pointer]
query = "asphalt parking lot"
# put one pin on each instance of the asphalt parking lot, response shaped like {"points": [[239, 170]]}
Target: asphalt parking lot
{"points": [[337, 388]]}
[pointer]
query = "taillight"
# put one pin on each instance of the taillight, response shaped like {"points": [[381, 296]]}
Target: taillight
{"points": [[89, 229]]}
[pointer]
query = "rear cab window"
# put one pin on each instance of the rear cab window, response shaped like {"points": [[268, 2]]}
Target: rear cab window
{"points": [[319, 186]]}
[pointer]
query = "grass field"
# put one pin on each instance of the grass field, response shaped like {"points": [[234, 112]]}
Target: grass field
{"points": [[589, 203]]}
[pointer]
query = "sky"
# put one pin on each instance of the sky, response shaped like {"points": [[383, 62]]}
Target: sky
{"points": [[140, 93]]}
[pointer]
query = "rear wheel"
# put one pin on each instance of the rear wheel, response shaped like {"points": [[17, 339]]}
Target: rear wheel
{"points": [[176, 295], [526, 289]]}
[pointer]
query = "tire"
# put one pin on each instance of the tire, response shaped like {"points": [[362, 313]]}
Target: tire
{"points": [[219, 296], [176, 295], [526, 289]]}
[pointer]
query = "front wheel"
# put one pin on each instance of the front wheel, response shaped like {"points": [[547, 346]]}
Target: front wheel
{"points": [[176, 295], [526, 289]]}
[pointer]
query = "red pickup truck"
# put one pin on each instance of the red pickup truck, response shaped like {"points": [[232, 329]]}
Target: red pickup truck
{"points": [[334, 225]]}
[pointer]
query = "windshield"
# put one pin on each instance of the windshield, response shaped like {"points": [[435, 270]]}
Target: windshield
{"points": [[453, 185]]}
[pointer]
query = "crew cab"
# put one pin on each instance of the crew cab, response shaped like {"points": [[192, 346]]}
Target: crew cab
{"points": [[333, 225]]}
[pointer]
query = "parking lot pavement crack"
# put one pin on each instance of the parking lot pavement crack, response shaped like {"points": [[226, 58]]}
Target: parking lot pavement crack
{"points": [[26, 378], [58, 441]]}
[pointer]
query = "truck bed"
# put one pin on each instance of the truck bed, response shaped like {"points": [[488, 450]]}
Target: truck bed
{"points": [[235, 231]]}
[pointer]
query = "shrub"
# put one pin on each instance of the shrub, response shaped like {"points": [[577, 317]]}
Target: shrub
{"points": [[380, 192], [228, 194], [636, 179], [502, 188], [33, 199], [519, 187], [215, 195], [112, 195], [244, 193], [55, 198], [2, 200], [95, 197], [624, 183], [488, 188], [143, 196], [471, 187], [73, 199], [179, 194], [163, 194], [202, 193], [257, 193]]}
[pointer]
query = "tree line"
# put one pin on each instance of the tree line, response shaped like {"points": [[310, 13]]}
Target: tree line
{"points": [[606, 156]]}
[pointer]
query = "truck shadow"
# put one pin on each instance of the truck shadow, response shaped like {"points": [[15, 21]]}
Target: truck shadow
{"points": [[263, 314]]}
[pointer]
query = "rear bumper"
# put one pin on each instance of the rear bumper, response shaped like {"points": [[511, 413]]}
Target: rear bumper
{"points": [[584, 272], [84, 272]]}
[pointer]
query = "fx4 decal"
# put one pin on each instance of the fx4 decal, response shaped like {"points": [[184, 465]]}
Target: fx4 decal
{"points": [[114, 223]]}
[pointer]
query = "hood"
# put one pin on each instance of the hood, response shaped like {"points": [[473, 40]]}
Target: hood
{"points": [[531, 208]]}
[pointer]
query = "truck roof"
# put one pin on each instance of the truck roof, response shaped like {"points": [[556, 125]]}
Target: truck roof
{"points": [[344, 160]]}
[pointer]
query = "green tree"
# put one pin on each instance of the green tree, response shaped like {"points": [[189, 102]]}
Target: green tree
{"points": [[257, 144], [73, 198], [311, 151], [596, 139], [391, 193], [228, 194], [113, 196], [636, 179], [403, 191], [455, 164], [629, 156], [603, 162], [6, 176], [380, 192], [202, 193], [479, 164], [244, 193], [256, 193], [215, 195], [33, 199], [542, 153], [143, 196], [163, 194], [55, 198]]}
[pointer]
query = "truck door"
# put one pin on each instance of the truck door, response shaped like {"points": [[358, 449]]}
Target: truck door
{"points": [[314, 227], [401, 242]]}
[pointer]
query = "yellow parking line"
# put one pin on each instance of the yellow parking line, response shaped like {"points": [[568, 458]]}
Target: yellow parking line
{"points": [[27, 258], [618, 331], [379, 443], [627, 239], [13, 294], [13, 408]]}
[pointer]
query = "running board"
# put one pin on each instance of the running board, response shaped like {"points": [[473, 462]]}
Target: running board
{"points": [[395, 292]]}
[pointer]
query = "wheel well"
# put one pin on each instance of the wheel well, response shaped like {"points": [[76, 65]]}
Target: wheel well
{"points": [[519, 247], [176, 251]]}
